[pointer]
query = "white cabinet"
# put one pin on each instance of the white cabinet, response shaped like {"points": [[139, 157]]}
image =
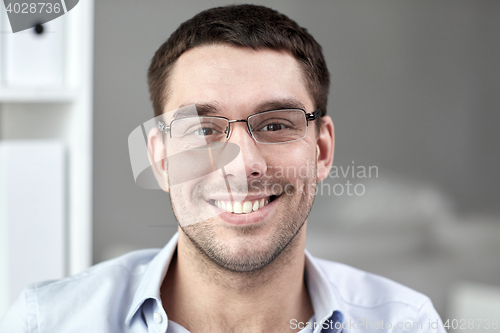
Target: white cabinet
{"points": [[32, 213], [35, 59], [46, 100]]}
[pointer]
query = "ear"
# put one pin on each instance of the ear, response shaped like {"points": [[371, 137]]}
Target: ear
{"points": [[157, 158], [325, 146]]}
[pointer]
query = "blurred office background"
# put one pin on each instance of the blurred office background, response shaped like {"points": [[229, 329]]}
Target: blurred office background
{"points": [[46, 109], [414, 93]]}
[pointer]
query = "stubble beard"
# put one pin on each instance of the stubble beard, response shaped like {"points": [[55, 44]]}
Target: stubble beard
{"points": [[248, 258]]}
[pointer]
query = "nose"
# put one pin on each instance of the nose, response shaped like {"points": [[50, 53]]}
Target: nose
{"points": [[253, 160]]}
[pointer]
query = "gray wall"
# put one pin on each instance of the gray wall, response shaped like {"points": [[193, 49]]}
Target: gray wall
{"points": [[414, 91]]}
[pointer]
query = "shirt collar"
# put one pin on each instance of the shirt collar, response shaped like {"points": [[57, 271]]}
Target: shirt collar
{"points": [[323, 298], [152, 278]]}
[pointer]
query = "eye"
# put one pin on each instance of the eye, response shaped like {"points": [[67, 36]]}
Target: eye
{"points": [[205, 131], [273, 127]]}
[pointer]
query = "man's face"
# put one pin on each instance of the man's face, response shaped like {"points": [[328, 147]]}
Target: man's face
{"points": [[236, 83]]}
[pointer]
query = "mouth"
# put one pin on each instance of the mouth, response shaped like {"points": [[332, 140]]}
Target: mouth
{"points": [[244, 207]]}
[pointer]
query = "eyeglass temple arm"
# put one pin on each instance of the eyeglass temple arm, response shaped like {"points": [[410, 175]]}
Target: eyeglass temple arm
{"points": [[314, 115], [163, 128]]}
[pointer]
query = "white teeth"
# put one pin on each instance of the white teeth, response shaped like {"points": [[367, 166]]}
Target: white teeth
{"points": [[241, 207], [238, 208], [247, 207], [229, 207]]}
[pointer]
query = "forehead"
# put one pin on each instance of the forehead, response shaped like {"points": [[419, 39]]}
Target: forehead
{"points": [[236, 78]]}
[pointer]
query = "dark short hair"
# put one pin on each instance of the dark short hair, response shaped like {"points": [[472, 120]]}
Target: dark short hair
{"points": [[257, 27]]}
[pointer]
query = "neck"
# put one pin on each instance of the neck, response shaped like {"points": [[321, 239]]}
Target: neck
{"points": [[203, 297]]}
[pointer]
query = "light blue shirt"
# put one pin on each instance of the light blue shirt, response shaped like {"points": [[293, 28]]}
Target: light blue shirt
{"points": [[123, 295]]}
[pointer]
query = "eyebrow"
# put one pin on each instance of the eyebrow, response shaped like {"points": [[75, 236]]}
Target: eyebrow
{"points": [[287, 103], [202, 109], [213, 109]]}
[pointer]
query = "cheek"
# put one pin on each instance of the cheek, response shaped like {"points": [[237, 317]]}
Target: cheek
{"points": [[169, 148], [295, 162]]}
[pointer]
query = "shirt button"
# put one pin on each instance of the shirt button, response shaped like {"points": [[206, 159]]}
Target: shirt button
{"points": [[157, 317]]}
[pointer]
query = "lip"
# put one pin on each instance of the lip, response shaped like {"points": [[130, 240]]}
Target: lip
{"points": [[248, 218]]}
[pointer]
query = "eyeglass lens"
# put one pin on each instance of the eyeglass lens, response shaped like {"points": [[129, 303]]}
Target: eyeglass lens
{"points": [[267, 127]]}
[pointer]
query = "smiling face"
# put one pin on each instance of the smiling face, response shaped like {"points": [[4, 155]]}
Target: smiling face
{"points": [[271, 185]]}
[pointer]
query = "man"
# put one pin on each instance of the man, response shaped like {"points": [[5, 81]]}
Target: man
{"points": [[240, 96]]}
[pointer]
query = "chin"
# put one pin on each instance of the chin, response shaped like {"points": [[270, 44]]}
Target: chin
{"points": [[241, 248]]}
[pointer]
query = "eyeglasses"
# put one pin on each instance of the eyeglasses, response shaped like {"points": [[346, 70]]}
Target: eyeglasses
{"points": [[268, 127]]}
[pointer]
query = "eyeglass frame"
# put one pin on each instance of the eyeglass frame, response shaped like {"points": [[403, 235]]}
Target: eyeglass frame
{"points": [[309, 117]]}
